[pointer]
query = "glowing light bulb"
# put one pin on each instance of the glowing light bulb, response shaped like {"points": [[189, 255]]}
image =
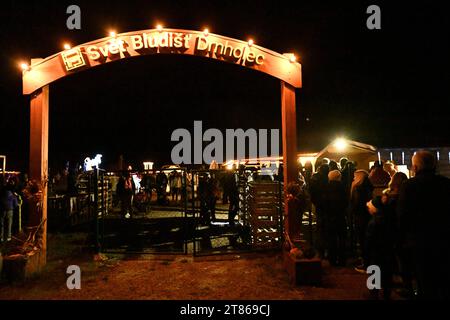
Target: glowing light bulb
{"points": [[24, 66], [250, 42], [112, 34], [206, 32], [340, 144], [66, 46], [292, 58], [159, 27]]}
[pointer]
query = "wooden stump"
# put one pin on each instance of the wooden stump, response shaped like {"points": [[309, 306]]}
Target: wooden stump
{"points": [[20, 267], [303, 271]]}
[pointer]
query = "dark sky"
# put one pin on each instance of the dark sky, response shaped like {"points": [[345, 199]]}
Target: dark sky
{"points": [[387, 87]]}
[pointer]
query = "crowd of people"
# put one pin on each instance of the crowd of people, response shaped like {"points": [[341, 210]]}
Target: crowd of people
{"points": [[376, 217], [382, 218]]}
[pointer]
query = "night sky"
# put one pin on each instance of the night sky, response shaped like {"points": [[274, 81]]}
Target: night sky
{"points": [[387, 87]]}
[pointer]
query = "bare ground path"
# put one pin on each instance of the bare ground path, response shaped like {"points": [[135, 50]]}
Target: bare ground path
{"points": [[250, 276]]}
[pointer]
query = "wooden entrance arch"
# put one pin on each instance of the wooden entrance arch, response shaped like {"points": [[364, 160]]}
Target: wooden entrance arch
{"points": [[42, 72]]}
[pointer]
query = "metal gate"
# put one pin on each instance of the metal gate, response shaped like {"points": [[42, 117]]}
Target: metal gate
{"points": [[204, 216], [249, 221]]}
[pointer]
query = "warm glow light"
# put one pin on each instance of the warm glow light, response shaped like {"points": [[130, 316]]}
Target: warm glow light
{"points": [[206, 31], [66, 46], [340, 144], [292, 58], [250, 42], [159, 27], [112, 34], [24, 66], [148, 165]]}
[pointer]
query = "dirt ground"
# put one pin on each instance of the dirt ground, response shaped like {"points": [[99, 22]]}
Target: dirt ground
{"points": [[229, 277]]}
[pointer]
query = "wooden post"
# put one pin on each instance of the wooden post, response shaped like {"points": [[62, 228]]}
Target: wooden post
{"points": [[39, 105], [289, 132], [289, 136]]}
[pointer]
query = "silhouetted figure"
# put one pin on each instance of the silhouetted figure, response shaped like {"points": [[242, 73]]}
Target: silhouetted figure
{"points": [[381, 237], [233, 194], [361, 193], [347, 173], [317, 189], [379, 178], [161, 186], [212, 194], [343, 162], [424, 217], [208, 194], [333, 165], [202, 195], [308, 172], [126, 190], [175, 184], [8, 203], [148, 183], [336, 202]]}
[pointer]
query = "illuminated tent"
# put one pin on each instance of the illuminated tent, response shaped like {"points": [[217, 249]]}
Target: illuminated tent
{"points": [[358, 152]]}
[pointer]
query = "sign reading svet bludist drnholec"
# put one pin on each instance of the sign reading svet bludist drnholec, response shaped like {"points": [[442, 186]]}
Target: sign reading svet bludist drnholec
{"points": [[166, 41], [154, 42]]}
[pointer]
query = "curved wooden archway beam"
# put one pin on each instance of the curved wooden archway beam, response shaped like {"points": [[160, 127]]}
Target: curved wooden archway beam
{"points": [[166, 41]]}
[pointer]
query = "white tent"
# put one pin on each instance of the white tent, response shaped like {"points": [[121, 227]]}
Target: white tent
{"points": [[358, 152]]}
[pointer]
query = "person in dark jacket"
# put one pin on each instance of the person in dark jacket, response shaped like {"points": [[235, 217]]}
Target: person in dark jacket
{"points": [[424, 217], [233, 196], [381, 237], [360, 194], [343, 162], [335, 211], [347, 173], [208, 192], [317, 189], [126, 190], [8, 204], [307, 172], [161, 186], [212, 194]]}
